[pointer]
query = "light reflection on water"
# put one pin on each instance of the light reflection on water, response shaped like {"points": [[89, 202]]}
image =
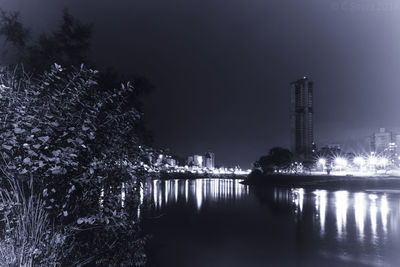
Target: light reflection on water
{"points": [[370, 213], [360, 227], [320, 207], [360, 212], [171, 191]]}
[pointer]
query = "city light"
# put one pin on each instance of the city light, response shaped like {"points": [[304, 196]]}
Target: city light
{"points": [[359, 161], [383, 161], [340, 162], [322, 161], [372, 160]]}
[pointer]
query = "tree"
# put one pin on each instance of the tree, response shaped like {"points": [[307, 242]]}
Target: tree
{"points": [[68, 45], [277, 158], [12, 28]]}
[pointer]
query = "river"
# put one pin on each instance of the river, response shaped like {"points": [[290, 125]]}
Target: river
{"points": [[220, 222]]}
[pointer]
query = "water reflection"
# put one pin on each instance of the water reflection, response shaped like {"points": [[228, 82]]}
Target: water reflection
{"points": [[341, 201], [320, 206], [298, 198], [172, 191], [371, 214], [332, 227], [384, 212], [359, 212]]}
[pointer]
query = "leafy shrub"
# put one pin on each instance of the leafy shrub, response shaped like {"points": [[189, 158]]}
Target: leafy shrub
{"points": [[77, 144]]}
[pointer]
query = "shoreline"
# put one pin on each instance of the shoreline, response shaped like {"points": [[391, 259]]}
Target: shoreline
{"points": [[326, 182], [192, 176]]}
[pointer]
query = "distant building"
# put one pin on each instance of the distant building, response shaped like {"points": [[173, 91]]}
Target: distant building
{"points": [[198, 161], [381, 141], [159, 159], [301, 118], [190, 161], [397, 142], [163, 160], [209, 160], [206, 161], [171, 162]]}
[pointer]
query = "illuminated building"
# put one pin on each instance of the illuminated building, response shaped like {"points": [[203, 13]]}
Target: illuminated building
{"points": [[381, 140], [397, 142], [209, 160], [190, 160], [171, 162], [198, 161], [301, 118]]}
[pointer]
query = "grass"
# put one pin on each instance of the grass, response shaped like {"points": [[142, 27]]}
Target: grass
{"points": [[28, 239]]}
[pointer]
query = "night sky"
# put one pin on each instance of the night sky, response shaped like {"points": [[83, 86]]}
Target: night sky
{"points": [[222, 68]]}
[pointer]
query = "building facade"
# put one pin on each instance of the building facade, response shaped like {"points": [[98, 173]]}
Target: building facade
{"points": [[381, 141], [209, 160], [301, 118], [202, 161]]}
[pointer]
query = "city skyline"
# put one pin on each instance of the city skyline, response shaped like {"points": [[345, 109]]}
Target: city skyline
{"points": [[230, 95]]}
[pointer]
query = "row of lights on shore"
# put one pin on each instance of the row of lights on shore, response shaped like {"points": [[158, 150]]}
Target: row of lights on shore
{"points": [[358, 161]]}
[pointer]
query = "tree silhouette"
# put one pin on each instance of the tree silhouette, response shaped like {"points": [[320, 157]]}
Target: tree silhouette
{"points": [[68, 45], [277, 158]]}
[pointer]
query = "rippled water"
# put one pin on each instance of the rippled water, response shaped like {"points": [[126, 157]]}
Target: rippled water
{"points": [[217, 222]]}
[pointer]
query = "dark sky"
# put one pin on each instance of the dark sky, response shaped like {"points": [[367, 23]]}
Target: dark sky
{"points": [[222, 68]]}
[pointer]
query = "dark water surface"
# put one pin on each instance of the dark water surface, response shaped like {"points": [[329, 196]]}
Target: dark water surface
{"points": [[211, 222]]}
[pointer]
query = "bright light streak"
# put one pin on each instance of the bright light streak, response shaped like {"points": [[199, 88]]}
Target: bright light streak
{"points": [[384, 212], [176, 189], [359, 212], [155, 190], [298, 195], [186, 190], [372, 213], [322, 161], [321, 207], [199, 193], [341, 211], [167, 189]]}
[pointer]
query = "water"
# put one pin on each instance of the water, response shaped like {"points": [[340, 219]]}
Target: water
{"points": [[211, 222]]}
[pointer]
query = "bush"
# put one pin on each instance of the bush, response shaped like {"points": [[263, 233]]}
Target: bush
{"points": [[70, 145]]}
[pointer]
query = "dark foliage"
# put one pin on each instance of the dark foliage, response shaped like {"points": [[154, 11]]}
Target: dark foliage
{"points": [[75, 146], [277, 158]]}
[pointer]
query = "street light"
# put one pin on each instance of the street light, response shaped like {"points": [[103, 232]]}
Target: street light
{"points": [[322, 162], [372, 160], [340, 162], [383, 162]]}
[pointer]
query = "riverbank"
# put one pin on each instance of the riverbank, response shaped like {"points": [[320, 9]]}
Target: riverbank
{"points": [[326, 182], [190, 175]]}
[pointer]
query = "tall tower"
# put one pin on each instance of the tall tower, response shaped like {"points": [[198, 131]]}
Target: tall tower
{"points": [[301, 118]]}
